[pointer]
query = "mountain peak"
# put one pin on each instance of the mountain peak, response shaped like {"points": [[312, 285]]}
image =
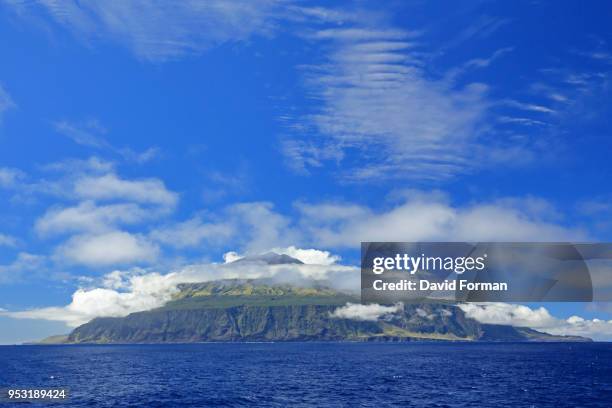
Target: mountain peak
{"points": [[270, 258]]}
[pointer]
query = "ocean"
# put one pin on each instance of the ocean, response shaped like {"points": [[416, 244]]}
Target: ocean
{"points": [[317, 374]]}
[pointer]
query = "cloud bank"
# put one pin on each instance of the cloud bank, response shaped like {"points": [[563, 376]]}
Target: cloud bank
{"points": [[123, 292], [414, 216], [539, 319]]}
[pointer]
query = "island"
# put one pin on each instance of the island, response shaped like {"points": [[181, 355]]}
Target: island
{"points": [[237, 310]]}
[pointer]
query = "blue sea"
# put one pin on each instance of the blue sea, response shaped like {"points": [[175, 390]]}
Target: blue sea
{"points": [[317, 374]]}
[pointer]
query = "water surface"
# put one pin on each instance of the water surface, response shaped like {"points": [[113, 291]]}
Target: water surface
{"points": [[318, 374]]}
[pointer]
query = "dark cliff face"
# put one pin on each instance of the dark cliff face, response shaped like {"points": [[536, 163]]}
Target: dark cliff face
{"points": [[239, 323], [252, 311]]}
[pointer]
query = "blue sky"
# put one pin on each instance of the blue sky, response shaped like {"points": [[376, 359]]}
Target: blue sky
{"points": [[149, 137]]}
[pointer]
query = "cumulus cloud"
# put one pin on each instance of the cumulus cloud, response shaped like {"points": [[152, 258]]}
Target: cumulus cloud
{"points": [[112, 187], [539, 319], [262, 226], [87, 216], [109, 248], [124, 292], [160, 31], [256, 227], [430, 217], [106, 204], [371, 312], [193, 232]]}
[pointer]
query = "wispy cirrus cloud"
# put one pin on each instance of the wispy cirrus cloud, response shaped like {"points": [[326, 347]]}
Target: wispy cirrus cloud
{"points": [[24, 262], [10, 177], [6, 102], [159, 31], [91, 133], [381, 113], [7, 240]]}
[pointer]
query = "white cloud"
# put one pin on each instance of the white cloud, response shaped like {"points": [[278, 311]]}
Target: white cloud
{"points": [[24, 262], [192, 233], [539, 319], [254, 226], [509, 314], [485, 62], [88, 133], [371, 312], [110, 248], [231, 256], [87, 216], [7, 240], [309, 256], [92, 165], [10, 177], [107, 203], [140, 157], [160, 31], [88, 304], [111, 187], [530, 107], [261, 227]]}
